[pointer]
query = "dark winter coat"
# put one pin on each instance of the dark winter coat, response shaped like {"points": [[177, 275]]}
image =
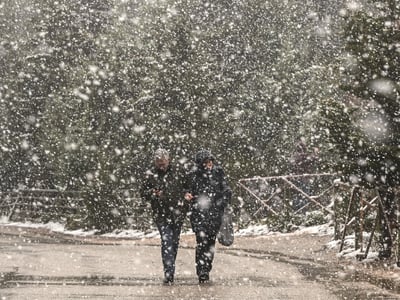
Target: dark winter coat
{"points": [[303, 161], [211, 195], [171, 206]]}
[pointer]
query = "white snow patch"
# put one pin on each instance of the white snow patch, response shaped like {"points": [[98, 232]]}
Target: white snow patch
{"points": [[253, 230]]}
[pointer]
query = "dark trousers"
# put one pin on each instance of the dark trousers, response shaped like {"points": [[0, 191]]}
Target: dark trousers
{"points": [[205, 250], [299, 200], [170, 234]]}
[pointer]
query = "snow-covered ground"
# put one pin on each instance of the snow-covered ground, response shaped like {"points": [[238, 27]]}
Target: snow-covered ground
{"points": [[252, 230]]}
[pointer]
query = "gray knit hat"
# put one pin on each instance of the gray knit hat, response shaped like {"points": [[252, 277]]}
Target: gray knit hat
{"points": [[202, 156], [161, 154]]}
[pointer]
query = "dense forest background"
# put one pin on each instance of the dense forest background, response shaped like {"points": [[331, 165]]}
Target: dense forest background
{"points": [[89, 89]]}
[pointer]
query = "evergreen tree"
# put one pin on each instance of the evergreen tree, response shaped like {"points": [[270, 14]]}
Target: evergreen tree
{"points": [[365, 127], [369, 137], [94, 87]]}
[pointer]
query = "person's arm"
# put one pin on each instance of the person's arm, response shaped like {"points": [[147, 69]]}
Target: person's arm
{"points": [[147, 190], [188, 185], [226, 191]]}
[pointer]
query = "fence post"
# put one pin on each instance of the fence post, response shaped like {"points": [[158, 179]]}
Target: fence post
{"points": [[357, 225], [346, 221]]}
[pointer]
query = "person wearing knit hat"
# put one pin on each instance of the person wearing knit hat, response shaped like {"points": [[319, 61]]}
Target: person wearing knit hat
{"points": [[208, 195], [163, 188]]}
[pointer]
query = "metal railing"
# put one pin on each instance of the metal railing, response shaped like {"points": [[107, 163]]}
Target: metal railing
{"points": [[366, 212], [281, 192], [44, 205], [353, 209], [40, 204]]}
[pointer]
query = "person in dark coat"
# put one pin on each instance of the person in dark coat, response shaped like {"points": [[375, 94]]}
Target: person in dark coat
{"points": [[163, 188], [303, 162], [208, 194]]}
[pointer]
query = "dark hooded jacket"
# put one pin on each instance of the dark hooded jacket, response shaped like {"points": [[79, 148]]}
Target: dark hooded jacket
{"points": [[211, 195], [170, 207], [303, 161]]}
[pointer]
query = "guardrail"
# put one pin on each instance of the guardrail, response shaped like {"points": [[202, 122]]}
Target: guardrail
{"points": [[40, 204], [292, 192], [352, 208], [44, 205]]}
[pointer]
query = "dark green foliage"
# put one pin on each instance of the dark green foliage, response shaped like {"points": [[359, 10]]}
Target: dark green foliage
{"points": [[364, 127], [89, 89]]}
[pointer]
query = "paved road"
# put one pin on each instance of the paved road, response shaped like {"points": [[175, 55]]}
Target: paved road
{"points": [[43, 267]]}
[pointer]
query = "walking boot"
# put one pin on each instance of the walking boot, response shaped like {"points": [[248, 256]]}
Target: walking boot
{"points": [[168, 279], [204, 278]]}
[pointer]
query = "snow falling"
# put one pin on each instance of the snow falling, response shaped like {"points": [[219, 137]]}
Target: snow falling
{"points": [[90, 89]]}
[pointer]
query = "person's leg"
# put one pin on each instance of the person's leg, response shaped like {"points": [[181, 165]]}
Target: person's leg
{"points": [[205, 250], [299, 200], [175, 239], [167, 251]]}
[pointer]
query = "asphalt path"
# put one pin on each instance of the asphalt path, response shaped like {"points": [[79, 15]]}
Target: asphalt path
{"points": [[37, 265]]}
